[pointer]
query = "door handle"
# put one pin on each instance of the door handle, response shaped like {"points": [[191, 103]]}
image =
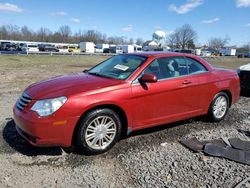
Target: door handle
{"points": [[186, 82]]}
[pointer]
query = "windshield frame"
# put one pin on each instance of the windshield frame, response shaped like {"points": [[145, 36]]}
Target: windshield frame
{"points": [[106, 76]]}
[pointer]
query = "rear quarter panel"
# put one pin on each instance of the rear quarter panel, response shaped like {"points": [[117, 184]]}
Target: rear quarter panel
{"points": [[228, 80]]}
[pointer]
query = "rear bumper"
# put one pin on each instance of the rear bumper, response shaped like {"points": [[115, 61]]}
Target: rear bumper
{"points": [[44, 131]]}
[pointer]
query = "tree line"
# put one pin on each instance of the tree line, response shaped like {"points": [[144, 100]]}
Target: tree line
{"points": [[63, 35], [183, 37]]}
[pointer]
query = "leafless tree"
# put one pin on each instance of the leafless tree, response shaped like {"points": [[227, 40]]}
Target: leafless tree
{"points": [[44, 35], [26, 33], [172, 41], [116, 40], [139, 41], [183, 37], [65, 32], [218, 43], [131, 41], [4, 33]]}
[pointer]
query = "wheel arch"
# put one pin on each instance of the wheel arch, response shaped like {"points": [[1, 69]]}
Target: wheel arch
{"points": [[121, 113], [229, 94]]}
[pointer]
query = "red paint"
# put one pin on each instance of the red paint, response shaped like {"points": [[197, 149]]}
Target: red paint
{"points": [[153, 104]]}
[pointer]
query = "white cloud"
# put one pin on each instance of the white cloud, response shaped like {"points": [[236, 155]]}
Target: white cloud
{"points": [[243, 3], [7, 7], [59, 13], [75, 20], [211, 21], [185, 8], [128, 28], [247, 25]]}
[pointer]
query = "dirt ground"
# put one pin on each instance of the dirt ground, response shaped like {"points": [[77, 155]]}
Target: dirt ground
{"points": [[149, 158]]}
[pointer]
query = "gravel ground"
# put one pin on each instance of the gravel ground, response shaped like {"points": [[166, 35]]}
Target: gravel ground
{"points": [[148, 158]]}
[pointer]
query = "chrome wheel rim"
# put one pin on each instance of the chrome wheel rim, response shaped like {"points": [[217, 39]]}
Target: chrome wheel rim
{"points": [[220, 107], [100, 132]]}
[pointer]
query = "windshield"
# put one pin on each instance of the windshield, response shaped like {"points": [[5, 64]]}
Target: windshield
{"points": [[118, 67]]}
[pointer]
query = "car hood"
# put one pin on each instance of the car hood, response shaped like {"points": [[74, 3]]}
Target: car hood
{"points": [[67, 85], [245, 67]]}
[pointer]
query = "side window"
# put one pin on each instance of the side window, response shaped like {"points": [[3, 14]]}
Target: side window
{"points": [[194, 66], [153, 68], [182, 65], [168, 67]]}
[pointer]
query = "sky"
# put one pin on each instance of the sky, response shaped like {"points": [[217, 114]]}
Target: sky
{"points": [[134, 18]]}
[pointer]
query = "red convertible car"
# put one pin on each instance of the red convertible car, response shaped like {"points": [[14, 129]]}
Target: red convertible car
{"points": [[128, 92]]}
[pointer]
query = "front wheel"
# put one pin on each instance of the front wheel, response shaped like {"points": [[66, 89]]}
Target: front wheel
{"points": [[99, 131], [219, 107]]}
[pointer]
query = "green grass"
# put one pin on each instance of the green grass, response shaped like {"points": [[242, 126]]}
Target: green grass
{"points": [[22, 61], [227, 62], [15, 61]]}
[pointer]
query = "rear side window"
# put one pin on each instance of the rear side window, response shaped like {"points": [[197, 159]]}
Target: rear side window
{"points": [[194, 67]]}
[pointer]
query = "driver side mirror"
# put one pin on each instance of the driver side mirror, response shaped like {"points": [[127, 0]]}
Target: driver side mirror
{"points": [[148, 78], [85, 70]]}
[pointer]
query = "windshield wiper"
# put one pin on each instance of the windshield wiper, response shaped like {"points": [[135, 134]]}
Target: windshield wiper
{"points": [[98, 74]]}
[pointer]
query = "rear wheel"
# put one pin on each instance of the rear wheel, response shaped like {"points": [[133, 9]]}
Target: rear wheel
{"points": [[219, 107], [99, 131]]}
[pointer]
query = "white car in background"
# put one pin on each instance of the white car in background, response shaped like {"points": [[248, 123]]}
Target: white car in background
{"points": [[30, 48], [244, 74]]}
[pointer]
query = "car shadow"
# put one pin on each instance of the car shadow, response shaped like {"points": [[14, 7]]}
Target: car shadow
{"points": [[245, 93], [17, 143]]}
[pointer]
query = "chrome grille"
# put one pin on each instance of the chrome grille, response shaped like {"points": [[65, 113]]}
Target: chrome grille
{"points": [[23, 101]]}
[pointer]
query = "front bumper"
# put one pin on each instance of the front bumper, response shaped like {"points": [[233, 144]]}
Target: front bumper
{"points": [[44, 131]]}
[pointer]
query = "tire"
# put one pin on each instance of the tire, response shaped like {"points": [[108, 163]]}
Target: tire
{"points": [[98, 131], [221, 102]]}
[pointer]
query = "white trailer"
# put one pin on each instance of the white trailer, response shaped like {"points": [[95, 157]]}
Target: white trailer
{"points": [[88, 47], [228, 51], [127, 48], [198, 51], [100, 47], [137, 48], [115, 49]]}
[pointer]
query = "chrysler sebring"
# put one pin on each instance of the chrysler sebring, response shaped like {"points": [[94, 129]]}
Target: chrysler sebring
{"points": [[128, 92]]}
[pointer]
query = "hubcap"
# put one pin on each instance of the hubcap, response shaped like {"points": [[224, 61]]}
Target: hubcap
{"points": [[220, 107], [100, 132]]}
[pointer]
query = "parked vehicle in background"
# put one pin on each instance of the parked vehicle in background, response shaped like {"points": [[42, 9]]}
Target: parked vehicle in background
{"points": [[228, 51], [99, 48], [198, 51], [206, 53], [11, 47], [243, 55], [47, 48], [62, 48], [88, 47], [125, 93], [137, 48], [116, 49], [8, 46], [127, 48], [244, 74], [74, 48], [30, 47]]}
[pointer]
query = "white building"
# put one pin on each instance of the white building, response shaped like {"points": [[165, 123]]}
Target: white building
{"points": [[150, 45]]}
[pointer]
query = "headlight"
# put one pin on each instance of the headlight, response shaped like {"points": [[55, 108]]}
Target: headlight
{"points": [[47, 107]]}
